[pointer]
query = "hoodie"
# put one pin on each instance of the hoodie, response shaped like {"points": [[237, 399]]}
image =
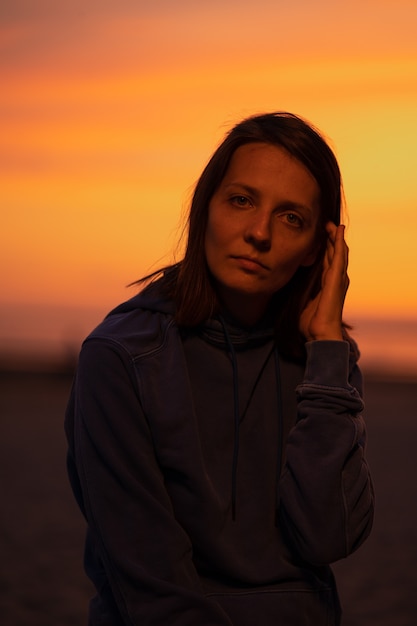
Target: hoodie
{"points": [[218, 480]]}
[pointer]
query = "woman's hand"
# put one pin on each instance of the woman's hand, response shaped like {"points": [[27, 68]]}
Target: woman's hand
{"points": [[322, 317]]}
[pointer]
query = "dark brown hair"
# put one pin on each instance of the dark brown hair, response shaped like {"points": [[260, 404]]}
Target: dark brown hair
{"points": [[189, 282]]}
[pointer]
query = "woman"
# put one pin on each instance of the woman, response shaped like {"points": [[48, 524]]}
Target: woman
{"points": [[216, 446]]}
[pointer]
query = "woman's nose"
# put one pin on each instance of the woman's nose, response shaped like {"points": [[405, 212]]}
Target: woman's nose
{"points": [[258, 231]]}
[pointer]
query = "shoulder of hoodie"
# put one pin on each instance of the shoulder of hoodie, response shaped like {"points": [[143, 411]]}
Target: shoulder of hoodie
{"points": [[138, 326]]}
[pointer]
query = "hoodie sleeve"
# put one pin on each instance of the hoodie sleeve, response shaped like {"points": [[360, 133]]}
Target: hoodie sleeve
{"points": [[326, 493], [136, 550]]}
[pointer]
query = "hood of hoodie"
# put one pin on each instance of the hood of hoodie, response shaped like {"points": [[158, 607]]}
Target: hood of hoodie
{"points": [[221, 330]]}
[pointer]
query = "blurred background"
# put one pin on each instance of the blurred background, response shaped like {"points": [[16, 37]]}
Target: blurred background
{"points": [[109, 110]]}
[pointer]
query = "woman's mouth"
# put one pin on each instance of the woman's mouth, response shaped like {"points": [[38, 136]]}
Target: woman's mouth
{"points": [[250, 264]]}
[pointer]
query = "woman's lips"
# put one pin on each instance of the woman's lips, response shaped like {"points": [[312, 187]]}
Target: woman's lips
{"points": [[250, 263]]}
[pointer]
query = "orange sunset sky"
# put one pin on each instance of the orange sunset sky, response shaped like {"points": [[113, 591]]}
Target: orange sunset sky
{"points": [[110, 109]]}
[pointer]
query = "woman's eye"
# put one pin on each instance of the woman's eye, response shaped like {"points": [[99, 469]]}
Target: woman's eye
{"points": [[240, 201], [294, 220]]}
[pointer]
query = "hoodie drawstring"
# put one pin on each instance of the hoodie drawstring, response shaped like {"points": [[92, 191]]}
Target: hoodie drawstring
{"points": [[238, 417], [280, 423], [232, 353]]}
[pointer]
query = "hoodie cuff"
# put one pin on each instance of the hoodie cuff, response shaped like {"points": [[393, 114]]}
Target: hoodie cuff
{"points": [[327, 363]]}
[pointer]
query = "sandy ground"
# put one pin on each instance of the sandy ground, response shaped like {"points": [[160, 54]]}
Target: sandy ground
{"points": [[41, 531]]}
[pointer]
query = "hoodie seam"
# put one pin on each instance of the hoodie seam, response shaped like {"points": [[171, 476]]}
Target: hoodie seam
{"points": [[126, 349]]}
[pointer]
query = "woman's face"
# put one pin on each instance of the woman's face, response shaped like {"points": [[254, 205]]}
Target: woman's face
{"points": [[262, 226]]}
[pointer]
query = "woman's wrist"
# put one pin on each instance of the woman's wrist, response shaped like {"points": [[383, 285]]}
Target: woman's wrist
{"points": [[330, 333]]}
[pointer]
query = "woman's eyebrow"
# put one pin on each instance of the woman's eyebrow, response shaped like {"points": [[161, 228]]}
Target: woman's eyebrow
{"points": [[244, 187]]}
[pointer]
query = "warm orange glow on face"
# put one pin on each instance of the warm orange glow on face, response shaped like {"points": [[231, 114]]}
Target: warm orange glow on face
{"points": [[108, 119]]}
